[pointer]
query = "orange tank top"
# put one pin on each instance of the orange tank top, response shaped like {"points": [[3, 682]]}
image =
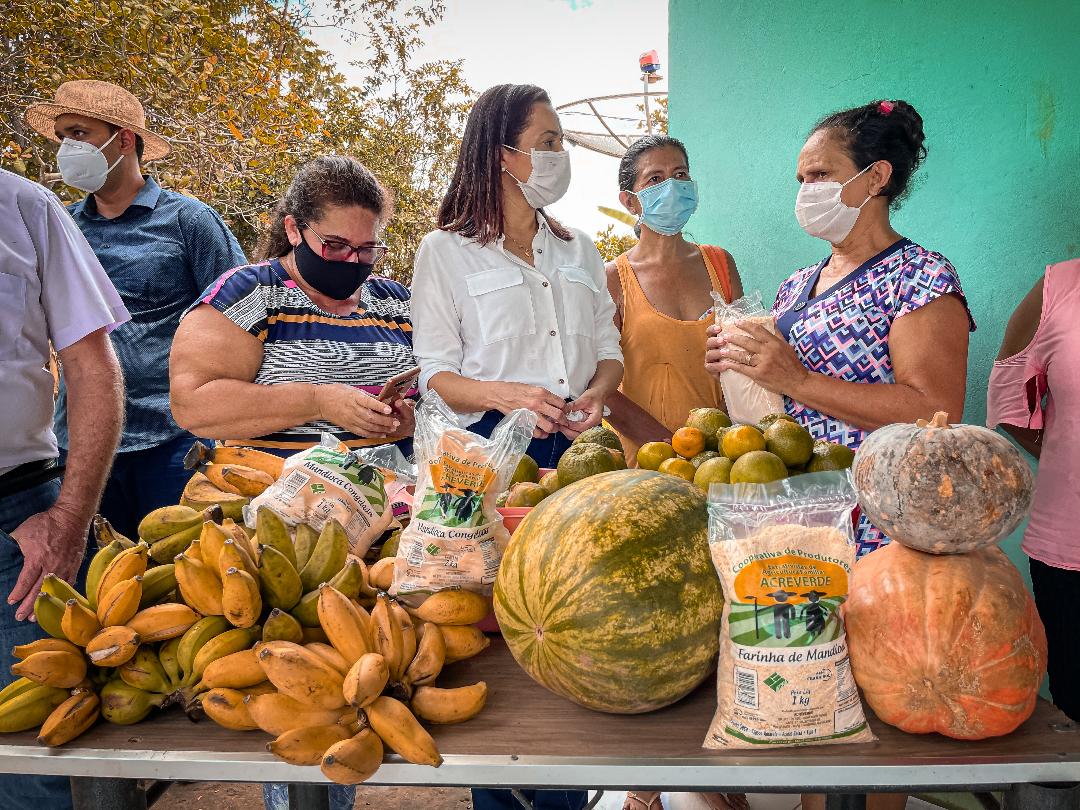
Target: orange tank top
{"points": [[663, 357]]}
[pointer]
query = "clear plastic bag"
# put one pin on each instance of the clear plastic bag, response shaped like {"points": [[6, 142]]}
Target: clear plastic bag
{"points": [[745, 400], [784, 553], [456, 537]]}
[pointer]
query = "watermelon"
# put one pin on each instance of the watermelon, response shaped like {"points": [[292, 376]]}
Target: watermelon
{"points": [[607, 595]]}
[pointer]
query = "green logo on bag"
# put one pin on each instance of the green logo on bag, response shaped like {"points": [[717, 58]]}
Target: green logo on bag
{"points": [[432, 549], [775, 682], [318, 489]]}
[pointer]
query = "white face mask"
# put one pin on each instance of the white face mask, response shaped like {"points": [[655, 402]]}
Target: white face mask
{"points": [[822, 213], [549, 180], [82, 165]]}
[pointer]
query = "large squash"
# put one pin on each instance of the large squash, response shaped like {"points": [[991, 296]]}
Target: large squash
{"points": [[607, 595], [951, 644], [942, 489]]}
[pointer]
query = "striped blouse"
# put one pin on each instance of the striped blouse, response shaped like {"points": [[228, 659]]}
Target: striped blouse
{"points": [[303, 343]]}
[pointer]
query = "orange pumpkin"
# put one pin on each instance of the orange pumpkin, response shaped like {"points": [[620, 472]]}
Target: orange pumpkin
{"points": [[940, 488], [951, 644]]}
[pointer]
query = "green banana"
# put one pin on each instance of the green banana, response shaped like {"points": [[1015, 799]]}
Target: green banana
{"points": [[123, 704], [48, 611], [195, 638], [272, 531], [169, 661], [16, 687], [145, 671], [98, 564], [280, 626], [227, 643], [279, 582], [54, 586], [104, 533], [304, 541], [167, 520], [306, 610], [327, 558], [158, 582], [164, 550], [349, 579], [30, 708]]}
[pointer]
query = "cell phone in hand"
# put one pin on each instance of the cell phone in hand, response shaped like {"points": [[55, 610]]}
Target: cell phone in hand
{"points": [[398, 385]]}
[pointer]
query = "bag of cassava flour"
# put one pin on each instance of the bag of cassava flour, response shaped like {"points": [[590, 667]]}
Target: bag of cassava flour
{"points": [[784, 553]]}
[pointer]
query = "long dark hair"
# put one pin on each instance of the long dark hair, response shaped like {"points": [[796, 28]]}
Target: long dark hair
{"points": [[473, 205], [628, 168], [882, 130], [327, 181]]}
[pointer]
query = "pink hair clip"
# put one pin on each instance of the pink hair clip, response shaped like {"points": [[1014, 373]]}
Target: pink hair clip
{"points": [[886, 107]]}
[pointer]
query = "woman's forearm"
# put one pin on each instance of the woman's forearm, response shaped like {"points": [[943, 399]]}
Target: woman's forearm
{"points": [[870, 406], [633, 421], [462, 394], [234, 409], [609, 374]]}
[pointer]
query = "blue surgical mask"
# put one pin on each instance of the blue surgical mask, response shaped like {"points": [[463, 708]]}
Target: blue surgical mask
{"points": [[668, 206]]}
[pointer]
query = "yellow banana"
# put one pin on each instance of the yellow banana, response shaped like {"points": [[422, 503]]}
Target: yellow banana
{"points": [[276, 713], [194, 552], [453, 607], [381, 574], [124, 705], [49, 614], [164, 550], [304, 541], [16, 687], [365, 680], [301, 674], [167, 520], [366, 592], [272, 531], [238, 670], [240, 598], [199, 586], [163, 622], [306, 746], [54, 586], [430, 656], [354, 760], [113, 646], [119, 604], [234, 555], [399, 729], [239, 533], [201, 495], [463, 642], [246, 481], [449, 705], [211, 540], [101, 560], [104, 533], [408, 638], [386, 635], [343, 624], [256, 459], [280, 583], [30, 708], [327, 558], [63, 670], [227, 708], [235, 640], [329, 656], [21, 651], [79, 623], [144, 671], [261, 688], [280, 626], [70, 719], [157, 583], [194, 639], [170, 662], [129, 563], [349, 579], [213, 472]]}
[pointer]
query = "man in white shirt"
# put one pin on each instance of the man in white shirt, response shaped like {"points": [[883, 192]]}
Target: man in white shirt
{"points": [[52, 289]]}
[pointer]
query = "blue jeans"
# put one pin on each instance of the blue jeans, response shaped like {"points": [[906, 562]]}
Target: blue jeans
{"points": [[276, 797], [17, 790], [485, 799], [545, 452]]}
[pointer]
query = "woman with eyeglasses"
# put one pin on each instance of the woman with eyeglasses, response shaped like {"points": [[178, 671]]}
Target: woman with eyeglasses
{"points": [[275, 353]]}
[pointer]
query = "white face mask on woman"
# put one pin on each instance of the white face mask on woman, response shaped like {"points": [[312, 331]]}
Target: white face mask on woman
{"points": [[82, 165], [549, 179], [822, 213]]}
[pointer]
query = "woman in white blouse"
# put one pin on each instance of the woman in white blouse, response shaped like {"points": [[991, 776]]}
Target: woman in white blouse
{"points": [[511, 308]]}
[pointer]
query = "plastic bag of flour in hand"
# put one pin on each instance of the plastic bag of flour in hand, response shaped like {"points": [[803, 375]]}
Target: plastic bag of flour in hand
{"points": [[456, 537], [745, 400], [330, 481], [784, 553]]}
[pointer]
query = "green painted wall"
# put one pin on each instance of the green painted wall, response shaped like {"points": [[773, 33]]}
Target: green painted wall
{"points": [[997, 84]]}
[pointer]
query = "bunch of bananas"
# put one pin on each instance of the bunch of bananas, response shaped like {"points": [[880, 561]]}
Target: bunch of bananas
{"points": [[227, 477], [268, 630]]}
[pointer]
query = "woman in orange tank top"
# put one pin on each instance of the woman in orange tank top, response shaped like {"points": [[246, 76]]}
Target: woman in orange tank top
{"points": [[661, 288]]}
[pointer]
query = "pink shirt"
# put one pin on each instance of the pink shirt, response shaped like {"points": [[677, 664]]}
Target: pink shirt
{"points": [[1039, 388]]}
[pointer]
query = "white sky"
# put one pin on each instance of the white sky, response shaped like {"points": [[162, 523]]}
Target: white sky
{"points": [[574, 49]]}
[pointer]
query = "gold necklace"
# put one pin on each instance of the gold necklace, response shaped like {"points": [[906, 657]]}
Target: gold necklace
{"points": [[526, 250]]}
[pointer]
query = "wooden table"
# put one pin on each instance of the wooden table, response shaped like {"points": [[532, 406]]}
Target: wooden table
{"points": [[528, 737]]}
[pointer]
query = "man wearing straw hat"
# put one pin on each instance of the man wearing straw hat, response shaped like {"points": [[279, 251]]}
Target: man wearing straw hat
{"points": [[161, 249]]}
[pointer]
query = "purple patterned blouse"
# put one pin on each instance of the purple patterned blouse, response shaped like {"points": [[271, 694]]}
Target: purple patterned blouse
{"points": [[844, 331]]}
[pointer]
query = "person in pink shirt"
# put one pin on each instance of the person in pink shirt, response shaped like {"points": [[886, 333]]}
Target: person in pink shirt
{"points": [[1034, 395]]}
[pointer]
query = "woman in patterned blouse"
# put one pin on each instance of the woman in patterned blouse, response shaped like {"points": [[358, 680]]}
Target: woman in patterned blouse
{"points": [[877, 331]]}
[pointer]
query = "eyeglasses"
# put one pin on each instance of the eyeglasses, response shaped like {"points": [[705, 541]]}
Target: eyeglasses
{"points": [[335, 251]]}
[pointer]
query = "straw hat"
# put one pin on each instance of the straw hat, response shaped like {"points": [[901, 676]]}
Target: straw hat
{"points": [[100, 100]]}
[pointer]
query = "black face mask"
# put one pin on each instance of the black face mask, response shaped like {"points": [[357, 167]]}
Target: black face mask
{"points": [[337, 280]]}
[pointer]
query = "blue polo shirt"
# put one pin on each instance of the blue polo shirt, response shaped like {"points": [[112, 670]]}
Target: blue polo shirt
{"points": [[160, 254]]}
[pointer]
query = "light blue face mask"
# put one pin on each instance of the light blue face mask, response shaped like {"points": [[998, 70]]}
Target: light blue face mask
{"points": [[668, 206]]}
